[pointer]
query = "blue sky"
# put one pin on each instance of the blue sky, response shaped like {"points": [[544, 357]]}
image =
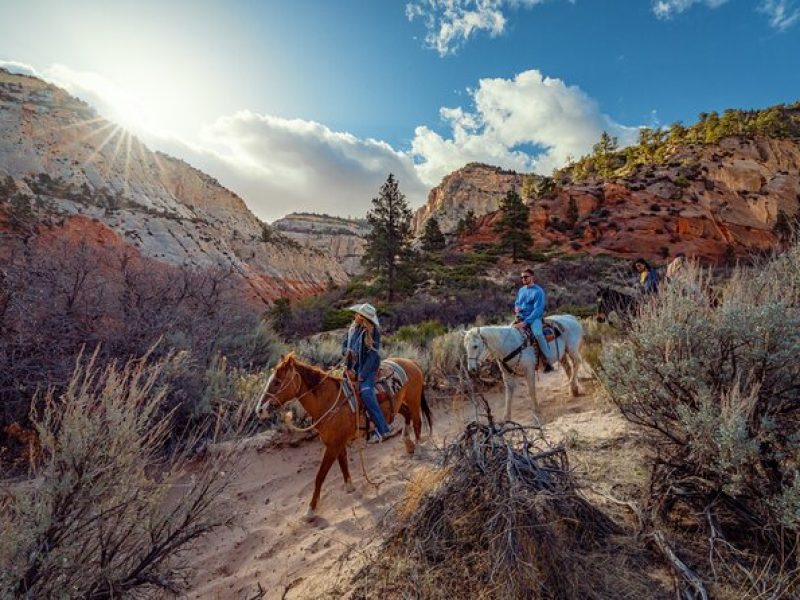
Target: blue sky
{"points": [[308, 105]]}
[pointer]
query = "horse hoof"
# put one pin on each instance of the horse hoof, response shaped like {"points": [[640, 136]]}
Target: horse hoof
{"points": [[349, 487], [309, 516], [410, 447]]}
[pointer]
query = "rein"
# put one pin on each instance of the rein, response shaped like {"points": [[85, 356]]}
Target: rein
{"points": [[323, 417]]}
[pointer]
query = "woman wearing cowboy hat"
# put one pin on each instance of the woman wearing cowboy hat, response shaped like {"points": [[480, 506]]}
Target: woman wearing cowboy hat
{"points": [[361, 349]]}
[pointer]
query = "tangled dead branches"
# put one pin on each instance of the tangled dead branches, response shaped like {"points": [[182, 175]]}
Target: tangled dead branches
{"points": [[508, 521]]}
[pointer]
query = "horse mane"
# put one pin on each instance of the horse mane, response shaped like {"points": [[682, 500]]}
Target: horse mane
{"points": [[312, 374]]}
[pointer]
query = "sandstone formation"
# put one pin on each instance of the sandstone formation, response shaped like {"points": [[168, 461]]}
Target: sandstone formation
{"points": [[711, 201], [68, 168], [342, 239], [475, 187]]}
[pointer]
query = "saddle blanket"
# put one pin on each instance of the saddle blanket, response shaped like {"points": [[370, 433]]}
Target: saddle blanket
{"points": [[388, 381]]}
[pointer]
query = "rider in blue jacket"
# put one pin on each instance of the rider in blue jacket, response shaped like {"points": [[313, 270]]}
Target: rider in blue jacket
{"points": [[648, 277], [361, 351], [529, 308]]}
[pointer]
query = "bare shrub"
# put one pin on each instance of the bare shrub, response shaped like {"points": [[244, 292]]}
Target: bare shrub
{"points": [[503, 518], [62, 298], [715, 388], [107, 515]]}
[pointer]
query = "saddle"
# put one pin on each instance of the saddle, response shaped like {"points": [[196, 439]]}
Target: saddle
{"points": [[389, 379], [550, 330]]}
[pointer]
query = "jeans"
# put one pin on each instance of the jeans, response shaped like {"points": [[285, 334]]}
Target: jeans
{"points": [[367, 389], [547, 349]]}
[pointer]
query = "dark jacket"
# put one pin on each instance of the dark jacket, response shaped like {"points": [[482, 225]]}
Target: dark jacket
{"points": [[649, 284], [358, 357]]}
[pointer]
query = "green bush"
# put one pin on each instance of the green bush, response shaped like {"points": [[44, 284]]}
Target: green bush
{"points": [[715, 390], [335, 318], [420, 334]]}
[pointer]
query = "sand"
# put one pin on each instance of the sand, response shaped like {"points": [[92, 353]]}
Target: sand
{"points": [[288, 558]]}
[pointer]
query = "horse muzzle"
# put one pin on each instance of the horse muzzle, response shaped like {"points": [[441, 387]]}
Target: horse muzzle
{"points": [[264, 408]]}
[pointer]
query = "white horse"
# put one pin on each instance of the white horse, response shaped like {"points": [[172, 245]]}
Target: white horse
{"points": [[497, 342]]}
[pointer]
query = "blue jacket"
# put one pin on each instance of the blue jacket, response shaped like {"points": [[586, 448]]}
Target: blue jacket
{"points": [[358, 357], [649, 285], [530, 303]]}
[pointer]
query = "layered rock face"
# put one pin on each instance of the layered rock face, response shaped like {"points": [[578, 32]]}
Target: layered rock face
{"points": [[72, 167], [475, 187], [709, 201], [342, 239]]}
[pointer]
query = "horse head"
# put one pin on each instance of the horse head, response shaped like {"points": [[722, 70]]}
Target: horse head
{"points": [[283, 385], [603, 307], [475, 346]]}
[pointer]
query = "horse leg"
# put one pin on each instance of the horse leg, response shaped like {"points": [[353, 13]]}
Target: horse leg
{"points": [[327, 460], [409, 418], [530, 378], [348, 484], [565, 361], [577, 361], [509, 383]]}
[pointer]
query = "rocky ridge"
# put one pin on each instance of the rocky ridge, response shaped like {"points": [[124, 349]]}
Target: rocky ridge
{"points": [[711, 201], [343, 239], [69, 166], [476, 186]]}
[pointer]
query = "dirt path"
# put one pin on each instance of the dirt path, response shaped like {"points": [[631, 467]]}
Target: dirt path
{"points": [[289, 558]]}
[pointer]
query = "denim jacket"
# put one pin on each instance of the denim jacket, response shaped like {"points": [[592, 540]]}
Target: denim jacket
{"points": [[358, 357]]}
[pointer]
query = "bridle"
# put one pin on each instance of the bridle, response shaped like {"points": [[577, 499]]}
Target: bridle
{"points": [[478, 355], [270, 395]]}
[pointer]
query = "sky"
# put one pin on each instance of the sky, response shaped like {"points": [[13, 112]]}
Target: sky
{"points": [[303, 105]]}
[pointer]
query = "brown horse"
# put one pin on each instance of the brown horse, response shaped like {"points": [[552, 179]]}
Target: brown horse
{"points": [[320, 393]]}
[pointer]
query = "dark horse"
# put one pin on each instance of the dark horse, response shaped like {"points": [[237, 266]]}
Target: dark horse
{"points": [[610, 301]]}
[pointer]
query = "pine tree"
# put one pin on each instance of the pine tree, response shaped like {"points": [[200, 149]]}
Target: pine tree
{"points": [[603, 154], [513, 229], [432, 238], [388, 251]]}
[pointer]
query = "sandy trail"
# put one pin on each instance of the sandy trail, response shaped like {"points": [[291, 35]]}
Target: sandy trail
{"points": [[274, 548]]}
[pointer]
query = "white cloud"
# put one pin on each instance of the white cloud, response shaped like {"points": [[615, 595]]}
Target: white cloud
{"points": [[782, 14], [530, 122], [281, 165], [19, 68], [277, 165], [451, 23], [666, 9]]}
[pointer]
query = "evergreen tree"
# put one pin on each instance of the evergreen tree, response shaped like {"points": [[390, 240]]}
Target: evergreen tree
{"points": [[513, 229], [388, 251], [280, 314], [432, 238], [603, 154]]}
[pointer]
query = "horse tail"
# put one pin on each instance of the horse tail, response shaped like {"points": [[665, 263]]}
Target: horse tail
{"points": [[426, 410]]}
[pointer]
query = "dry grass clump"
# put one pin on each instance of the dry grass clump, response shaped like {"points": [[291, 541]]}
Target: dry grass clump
{"points": [[447, 356], [506, 521], [107, 514]]}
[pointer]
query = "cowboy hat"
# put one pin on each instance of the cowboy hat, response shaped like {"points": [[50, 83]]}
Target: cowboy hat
{"points": [[367, 311]]}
